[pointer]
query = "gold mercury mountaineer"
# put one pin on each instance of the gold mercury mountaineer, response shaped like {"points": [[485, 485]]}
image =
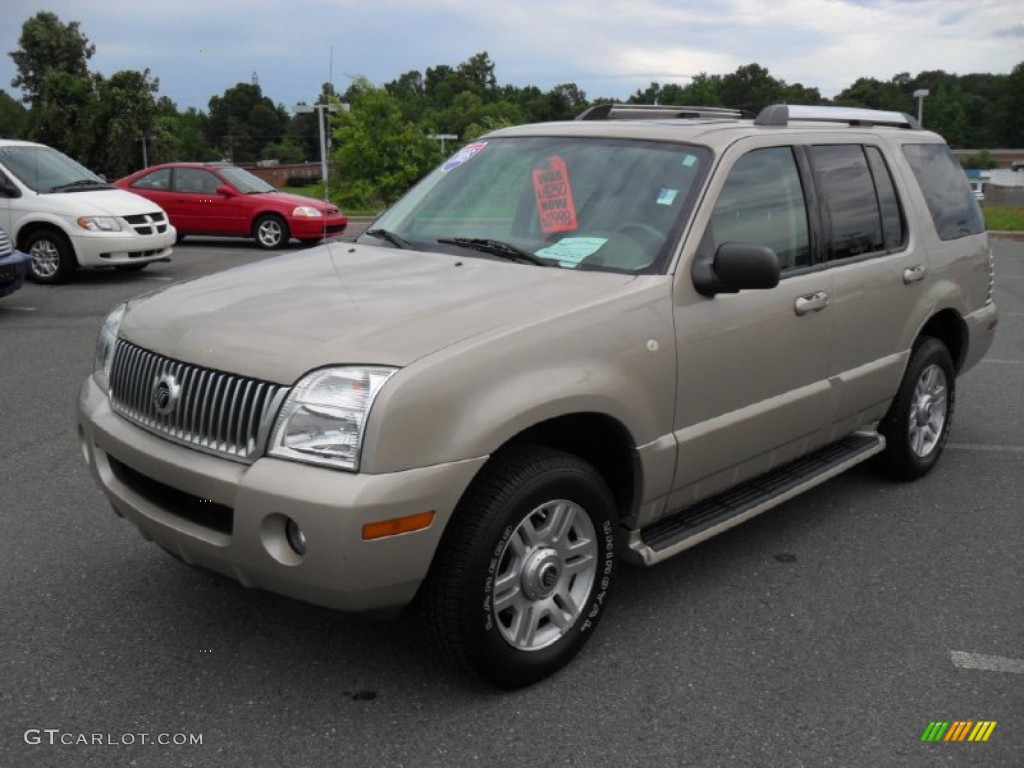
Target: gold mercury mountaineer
{"points": [[571, 342]]}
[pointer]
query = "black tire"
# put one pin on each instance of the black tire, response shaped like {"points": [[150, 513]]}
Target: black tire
{"points": [[53, 259], [271, 232], [555, 588], [917, 425], [131, 267]]}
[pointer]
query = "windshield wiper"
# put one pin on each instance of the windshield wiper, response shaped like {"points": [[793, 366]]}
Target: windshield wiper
{"points": [[495, 248], [80, 184], [395, 239]]}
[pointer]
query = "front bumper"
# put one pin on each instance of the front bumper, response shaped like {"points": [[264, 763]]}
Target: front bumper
{"points": [[307, 228], [235, 521], [107, 249]]}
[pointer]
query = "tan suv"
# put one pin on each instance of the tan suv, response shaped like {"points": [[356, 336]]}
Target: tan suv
{"points": [[571, 342]]}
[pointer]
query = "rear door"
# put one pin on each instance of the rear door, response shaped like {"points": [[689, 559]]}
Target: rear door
{"points": [[878, 275]]}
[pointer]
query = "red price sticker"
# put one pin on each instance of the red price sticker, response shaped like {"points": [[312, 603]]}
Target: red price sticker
{"points": [[554, 197]]}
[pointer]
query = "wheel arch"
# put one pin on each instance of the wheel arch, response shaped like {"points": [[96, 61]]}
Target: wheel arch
{"points": [[29, 228], [948, 327], [598, 439]]}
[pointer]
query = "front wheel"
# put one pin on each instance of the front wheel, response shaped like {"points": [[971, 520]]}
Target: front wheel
{"points": [[271, 232], [917, 425], [52, 257], [522, 575]]}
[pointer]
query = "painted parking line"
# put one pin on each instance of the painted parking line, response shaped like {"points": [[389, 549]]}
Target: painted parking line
{"points": [[987, 663], [997, 361], [21, 309], [990, 447], [154, 277]]}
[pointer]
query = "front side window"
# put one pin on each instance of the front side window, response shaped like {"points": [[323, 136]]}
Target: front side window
{"points": [[574, 203], [762, 203], [953, 207], [195, 180]]}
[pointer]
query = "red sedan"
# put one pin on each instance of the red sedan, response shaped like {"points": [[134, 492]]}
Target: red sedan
{"points": [[222, 199]]}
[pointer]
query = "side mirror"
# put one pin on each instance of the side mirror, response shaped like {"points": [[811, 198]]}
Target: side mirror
{"points": [[225, 190], [737, 267]]}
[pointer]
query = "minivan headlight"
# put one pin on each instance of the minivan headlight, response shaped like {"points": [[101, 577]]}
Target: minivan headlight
{"points": [[322, 420], [105, 344], [99, 223]]}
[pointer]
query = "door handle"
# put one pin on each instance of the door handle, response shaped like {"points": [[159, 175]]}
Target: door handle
{"points": [[811, 302], [914, 274]]}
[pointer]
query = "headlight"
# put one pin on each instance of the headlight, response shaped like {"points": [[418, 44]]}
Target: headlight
{"points": [[99, 223], [105, 347], [307, 211], [322, 420]]}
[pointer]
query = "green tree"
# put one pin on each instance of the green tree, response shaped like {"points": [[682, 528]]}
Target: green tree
{"points": [[64, 114], [48, 45], [125, 116], [751, 88], [379, 154], [242, 121], [13, 117]]}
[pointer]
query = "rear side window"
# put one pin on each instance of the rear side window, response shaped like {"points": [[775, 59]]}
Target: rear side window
{"points": [[951, 203], [850, 207]]}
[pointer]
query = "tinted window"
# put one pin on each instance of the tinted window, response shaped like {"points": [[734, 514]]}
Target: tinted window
{"points": [[850, 208], [762, 202], [889, 203], [156, 180], [950, 201]]}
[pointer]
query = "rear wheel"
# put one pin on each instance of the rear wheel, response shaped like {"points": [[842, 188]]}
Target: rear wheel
{"points": [[271, 232], [523, 572], [917, 425], [53, 258]]}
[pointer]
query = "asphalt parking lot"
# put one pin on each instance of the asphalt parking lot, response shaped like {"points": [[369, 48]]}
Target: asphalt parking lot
{"points": [[828, 632]]}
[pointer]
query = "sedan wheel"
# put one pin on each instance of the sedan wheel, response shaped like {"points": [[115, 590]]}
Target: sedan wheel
{"points": [[271, 232]]}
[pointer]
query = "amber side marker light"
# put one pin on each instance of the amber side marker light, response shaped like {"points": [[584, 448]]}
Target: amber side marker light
{"points": [[397, 525]]}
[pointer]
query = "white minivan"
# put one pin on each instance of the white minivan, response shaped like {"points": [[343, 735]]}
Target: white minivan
{"points": [[65, 216]]}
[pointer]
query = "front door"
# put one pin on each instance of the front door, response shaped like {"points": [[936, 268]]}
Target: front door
{"points": [[752, 386]]}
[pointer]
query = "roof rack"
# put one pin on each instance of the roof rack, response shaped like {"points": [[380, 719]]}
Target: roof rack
{"points": [[655, 111], [784, 114]]}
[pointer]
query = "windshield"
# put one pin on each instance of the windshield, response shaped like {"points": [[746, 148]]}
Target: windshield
{"points": [[43, 169], [576, 203], [245, 182]]}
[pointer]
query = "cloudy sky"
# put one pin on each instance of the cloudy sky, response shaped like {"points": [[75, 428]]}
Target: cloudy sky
{"points": [[199, 48]]}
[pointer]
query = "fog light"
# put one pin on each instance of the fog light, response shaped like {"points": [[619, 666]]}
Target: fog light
{"points": [[296, 538]]}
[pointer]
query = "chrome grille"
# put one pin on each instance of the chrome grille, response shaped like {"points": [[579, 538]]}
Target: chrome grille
{"points": [[5, 244], [215, 412]]}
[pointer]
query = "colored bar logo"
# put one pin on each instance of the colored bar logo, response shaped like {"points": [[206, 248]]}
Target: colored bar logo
{"points": [[958, 730]]}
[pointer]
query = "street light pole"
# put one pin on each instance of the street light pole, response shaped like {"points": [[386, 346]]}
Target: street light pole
{"points": [[919, 95], [320, 109]]}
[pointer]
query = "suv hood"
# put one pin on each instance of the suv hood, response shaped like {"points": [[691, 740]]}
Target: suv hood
{"points": [[346, 303]]}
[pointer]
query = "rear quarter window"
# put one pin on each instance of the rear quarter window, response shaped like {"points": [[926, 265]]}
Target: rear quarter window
{"points": [[954, 210]]}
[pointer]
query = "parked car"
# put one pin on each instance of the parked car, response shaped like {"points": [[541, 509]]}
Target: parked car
{"points": [[222, 199], [64, 216], [13, 266], [569, 343]]}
